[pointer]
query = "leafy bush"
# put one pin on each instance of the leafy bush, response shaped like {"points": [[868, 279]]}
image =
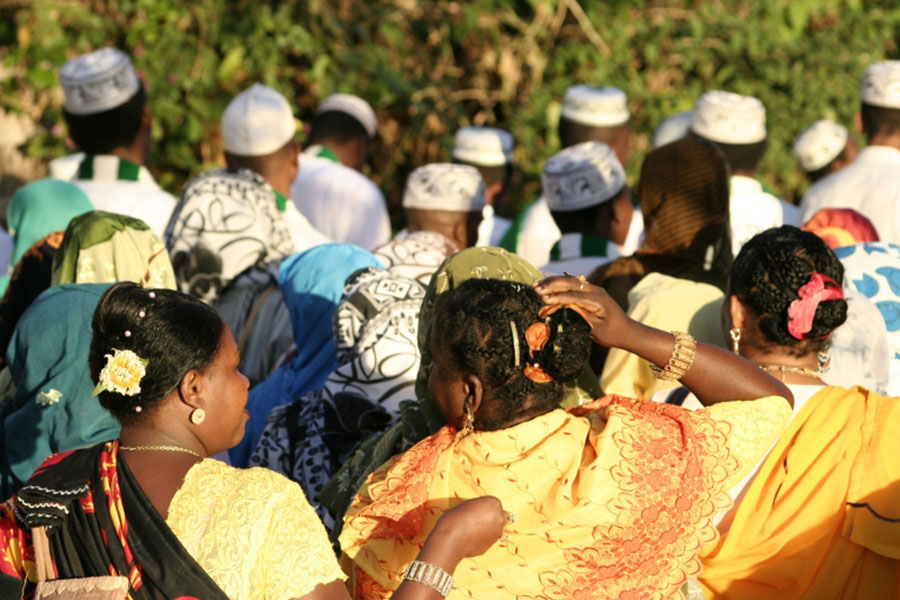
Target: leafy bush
{"points": [[429, 67]]}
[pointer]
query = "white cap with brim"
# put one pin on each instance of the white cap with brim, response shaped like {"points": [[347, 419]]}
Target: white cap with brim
{"points": [[881, 84], [257, 121], [581, 176], [729, 118], [595, 106], [98, 81], [819, 144], [354, 106], [445, 186], [483, 146]]}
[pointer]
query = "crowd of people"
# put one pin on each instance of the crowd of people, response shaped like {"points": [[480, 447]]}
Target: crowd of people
{"points": [[681, 389]]}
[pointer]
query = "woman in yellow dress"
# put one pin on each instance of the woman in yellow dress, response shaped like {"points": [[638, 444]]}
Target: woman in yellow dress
{"points": [[154, 511], [614, 499]]}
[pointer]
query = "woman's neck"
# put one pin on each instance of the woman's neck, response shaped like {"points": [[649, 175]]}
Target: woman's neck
{"points": [[784, 366]]}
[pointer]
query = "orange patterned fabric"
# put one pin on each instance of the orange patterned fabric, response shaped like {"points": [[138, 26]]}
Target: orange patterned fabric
{"points": [[614, 499]]}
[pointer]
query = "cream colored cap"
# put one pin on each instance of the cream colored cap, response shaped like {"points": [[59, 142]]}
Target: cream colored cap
{"points": [[729, 118], [881, 84], [819, 144], [98, 81], [595, 106], [354, 106], [445, 186], [583, 175], [257, 121], [483, 146]]}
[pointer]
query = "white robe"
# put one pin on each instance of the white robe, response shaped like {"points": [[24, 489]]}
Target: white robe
{"points": [[753, 210]]}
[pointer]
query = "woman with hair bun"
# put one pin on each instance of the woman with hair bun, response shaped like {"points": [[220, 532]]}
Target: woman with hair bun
{"points": [[611, 499], [150, 515], [820, 519]]}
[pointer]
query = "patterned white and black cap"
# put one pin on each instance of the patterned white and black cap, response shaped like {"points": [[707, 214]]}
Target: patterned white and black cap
{"points": [[729, 118], [445, 186], [881, 84], [819, 144], [98, 81], [595, 106], [484, 146], [582, 175]]}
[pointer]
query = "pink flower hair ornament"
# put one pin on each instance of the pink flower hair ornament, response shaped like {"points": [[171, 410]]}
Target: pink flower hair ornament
{"points": [[802, 311]]}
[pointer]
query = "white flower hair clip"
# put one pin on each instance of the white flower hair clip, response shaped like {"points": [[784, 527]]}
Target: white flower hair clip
{"points": [[122, 374]]}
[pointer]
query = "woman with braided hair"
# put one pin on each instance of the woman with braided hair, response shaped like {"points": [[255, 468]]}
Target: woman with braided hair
{"points": [[612, 499]]}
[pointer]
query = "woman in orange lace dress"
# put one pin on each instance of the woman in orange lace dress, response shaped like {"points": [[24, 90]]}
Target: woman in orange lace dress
{"points": [[613, 499]]}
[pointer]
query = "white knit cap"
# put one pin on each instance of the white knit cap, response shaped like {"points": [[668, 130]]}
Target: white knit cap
{"points": [[881, 84], [582, 175], [445, 186], [483, 146], [729, 118], [595, 106], [98, 81], [257, 121], [819, 144], [354, 106]]}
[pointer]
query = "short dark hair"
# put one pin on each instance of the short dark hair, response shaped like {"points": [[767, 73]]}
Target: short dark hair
{"points": [[740, 157], [767, 275], [572, 133], [176, 334], [582, 220], [880, 120], [102, 132], [475, 322], [335, 126]]}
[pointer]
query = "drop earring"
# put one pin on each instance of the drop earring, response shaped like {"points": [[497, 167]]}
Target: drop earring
{"points": [[735, 333], [198, 415], [468, 424]]}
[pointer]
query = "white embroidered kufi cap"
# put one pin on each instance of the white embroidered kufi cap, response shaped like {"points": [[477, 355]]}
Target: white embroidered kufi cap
{"points": [[595, 106], [729, 118], [881, 84], [354, 106], [445, 186], [672, 129], [583, 175], [257, 121], [819, 144], [98, 81], [484, 146]]}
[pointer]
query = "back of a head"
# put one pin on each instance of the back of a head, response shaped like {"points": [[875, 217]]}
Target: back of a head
{"points": [[258, 129], [446, 198], [880, 96], [734, 123], [818, 146], [684, 195], [767, 277], [488, 149], [485, 324], [342, 118], [104, 100], [172, 332]]}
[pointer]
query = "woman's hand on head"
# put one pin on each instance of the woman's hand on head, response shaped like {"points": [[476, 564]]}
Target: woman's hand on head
{"points": [[609, 323]]}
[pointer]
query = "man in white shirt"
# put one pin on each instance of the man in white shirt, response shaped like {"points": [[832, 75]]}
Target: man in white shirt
{"points": [[490, 150], [871, 184], [447, 199], [329, 190], [588, 113], [106, 113], [737, 126], [585, 190]]}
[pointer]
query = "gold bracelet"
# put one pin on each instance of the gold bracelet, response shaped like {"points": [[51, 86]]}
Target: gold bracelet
{"points": [[681, 360], [431, 575]]}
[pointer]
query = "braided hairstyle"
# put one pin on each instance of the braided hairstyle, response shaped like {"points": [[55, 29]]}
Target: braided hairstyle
{"points": [[767, 275], [176, 333], [474, 325]]}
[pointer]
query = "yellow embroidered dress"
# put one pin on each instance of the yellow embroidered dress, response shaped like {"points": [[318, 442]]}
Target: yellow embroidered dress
{"points": [[614, 499]]}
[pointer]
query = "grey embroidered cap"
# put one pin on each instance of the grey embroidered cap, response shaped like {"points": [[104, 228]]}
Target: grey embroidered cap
{"points": [[582, 175], [98, 81], [445, 186]]}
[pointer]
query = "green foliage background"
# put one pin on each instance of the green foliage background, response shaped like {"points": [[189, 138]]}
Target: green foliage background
{"points": [[428, 67]]}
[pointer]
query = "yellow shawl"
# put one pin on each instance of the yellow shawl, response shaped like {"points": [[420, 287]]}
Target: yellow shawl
{"points": [[821, 520], [614, 499]]}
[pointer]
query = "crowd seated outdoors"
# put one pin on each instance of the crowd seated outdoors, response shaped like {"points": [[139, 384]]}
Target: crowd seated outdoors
{"points": [[682, 388]]}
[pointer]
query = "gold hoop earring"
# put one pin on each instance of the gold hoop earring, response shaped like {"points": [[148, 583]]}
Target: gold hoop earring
{"points": [[468, 424], [735, 333], [198, 415]]}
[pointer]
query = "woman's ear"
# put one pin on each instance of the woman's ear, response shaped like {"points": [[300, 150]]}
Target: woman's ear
{"points": [[737, 313], [190, 388], [474, 391]]}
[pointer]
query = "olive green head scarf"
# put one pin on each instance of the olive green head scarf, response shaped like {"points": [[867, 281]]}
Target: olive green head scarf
{"points": [[419, 420]]}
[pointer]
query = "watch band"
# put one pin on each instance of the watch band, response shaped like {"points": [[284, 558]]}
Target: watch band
{"points": [[431, 575]]}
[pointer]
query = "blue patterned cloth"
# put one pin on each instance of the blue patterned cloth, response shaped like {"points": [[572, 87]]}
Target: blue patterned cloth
{"points": [[873, 269]]}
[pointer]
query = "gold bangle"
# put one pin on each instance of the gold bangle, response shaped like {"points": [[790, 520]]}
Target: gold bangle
{"points": [[431, 575], [681, 360]]}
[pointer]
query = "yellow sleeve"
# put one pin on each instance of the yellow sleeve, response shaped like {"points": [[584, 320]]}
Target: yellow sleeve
{"points": [[296, 555], [755, 426]]}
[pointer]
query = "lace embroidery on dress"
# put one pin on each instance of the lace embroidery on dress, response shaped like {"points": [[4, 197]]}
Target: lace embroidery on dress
{"points": [[252, 531]]}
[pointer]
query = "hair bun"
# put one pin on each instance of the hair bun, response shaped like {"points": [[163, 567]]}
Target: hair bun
{"points": [[568, 347]]}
